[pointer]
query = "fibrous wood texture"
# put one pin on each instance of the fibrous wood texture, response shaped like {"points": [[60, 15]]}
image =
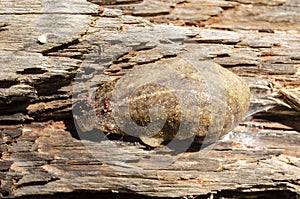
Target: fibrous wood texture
{"points": [[50, 50]]}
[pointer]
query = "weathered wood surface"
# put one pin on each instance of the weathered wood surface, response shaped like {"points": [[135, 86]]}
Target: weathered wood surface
{"points": [[45, 44]]}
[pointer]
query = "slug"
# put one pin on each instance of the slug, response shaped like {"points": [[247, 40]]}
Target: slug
{"points": [[172, 98]]}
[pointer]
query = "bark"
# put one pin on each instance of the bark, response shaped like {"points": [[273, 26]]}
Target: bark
{"points": [[53, 52]]}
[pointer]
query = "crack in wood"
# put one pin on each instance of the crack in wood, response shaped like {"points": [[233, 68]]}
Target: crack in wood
{"points": [[253, 155], [3, 27], [57, 49], [115, 2], [37, 183]]}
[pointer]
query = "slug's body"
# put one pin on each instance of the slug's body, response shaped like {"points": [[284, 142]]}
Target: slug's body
{"points": [[173, 98]]}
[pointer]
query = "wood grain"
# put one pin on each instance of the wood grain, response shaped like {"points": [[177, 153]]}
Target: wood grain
{"points": [[91, 42]]}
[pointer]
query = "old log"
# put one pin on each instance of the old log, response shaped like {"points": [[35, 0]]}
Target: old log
{"points": [[54, 54]]}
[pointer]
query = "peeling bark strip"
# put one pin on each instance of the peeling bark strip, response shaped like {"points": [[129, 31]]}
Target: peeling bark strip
{"points": [[48, 48]]}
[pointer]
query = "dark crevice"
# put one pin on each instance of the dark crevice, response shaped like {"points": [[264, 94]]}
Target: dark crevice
{"points": [[3, 27], [52, 84], [90, 195], [115, 2], [182, 2], [71, 127], [169, 56], [5, 165], [95, 135], [237, 65], [60, 47], [16, 105], [77, 57], [266, 30], [227, 7], [156, 60], [288, 120], [7, 83], [32, 71], [52, 114], [150, 14], [142, 46], [14, 122], [207, 41], [4, 193], [37, 183], [294, 58], [178, 4], [14, 119], [274, 194], [223, 55], [137, 48]]}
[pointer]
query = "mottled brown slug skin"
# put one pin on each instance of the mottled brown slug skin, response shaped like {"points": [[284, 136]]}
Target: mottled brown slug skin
{"points": [[194, 100]]}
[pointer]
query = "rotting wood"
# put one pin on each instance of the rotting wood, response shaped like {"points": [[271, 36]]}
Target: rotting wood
{"points": [[251, 38]]}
